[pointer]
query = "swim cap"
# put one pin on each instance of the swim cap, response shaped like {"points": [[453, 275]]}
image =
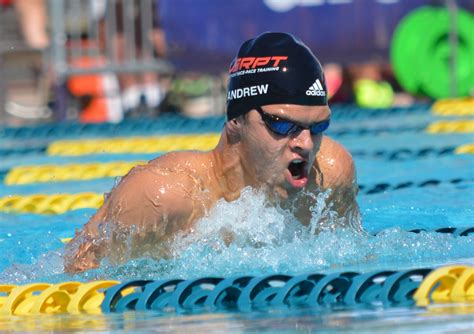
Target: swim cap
{"points": [[274, 68]]}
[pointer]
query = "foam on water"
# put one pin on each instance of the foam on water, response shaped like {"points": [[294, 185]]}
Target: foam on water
{"points": [[249, 236]]}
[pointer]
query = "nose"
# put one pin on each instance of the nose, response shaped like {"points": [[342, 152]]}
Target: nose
{"points": [[303, 141]]}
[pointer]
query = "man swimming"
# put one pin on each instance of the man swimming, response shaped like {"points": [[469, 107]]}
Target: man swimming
{"points": [[273, 140]]}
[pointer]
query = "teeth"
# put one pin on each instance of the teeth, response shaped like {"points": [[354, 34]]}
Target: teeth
{"points": [[297, 161]]}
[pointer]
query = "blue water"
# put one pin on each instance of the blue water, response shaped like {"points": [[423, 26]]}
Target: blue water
{"points": [[269, 240]]}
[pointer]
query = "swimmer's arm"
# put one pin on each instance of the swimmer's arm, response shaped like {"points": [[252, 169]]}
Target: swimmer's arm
{"points": [[144, 213], [339, 174], [83, 252]]}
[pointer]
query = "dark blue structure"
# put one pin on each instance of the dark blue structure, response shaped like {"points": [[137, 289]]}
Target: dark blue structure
{"points": [[204, 35]]}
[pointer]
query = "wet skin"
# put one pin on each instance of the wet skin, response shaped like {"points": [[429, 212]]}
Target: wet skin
{"points": [[169, 194]]}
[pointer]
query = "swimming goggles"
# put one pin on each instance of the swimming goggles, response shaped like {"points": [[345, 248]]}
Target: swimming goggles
{"points": [[284, 127]]}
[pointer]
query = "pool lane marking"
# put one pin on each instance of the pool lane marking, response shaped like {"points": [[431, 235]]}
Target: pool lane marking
{"points": [[454, 107], [453, 126], [465, 149], [423, 286], [164, 144], [60, 203], [50, 203], [156, 144], [446, 284], [454, 231], [202, 142], [88, 171], [68, 172]]}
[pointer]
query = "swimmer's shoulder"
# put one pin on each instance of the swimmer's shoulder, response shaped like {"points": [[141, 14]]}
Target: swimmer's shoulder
{"points": [[172, 169], [155, 192], [181, 171], [336, 164], [180, 158]]}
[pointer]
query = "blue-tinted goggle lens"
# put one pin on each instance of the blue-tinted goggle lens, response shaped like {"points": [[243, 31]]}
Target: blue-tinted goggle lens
{"points": [[284, 127]]}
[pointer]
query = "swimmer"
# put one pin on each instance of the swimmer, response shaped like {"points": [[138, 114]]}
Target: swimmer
{"points": [[273, 140]]}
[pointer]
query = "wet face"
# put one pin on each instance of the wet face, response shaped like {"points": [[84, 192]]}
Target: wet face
{"points": [[282, 162]]}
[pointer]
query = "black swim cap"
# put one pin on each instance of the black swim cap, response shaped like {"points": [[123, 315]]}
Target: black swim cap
{"points": [[274, 68]]}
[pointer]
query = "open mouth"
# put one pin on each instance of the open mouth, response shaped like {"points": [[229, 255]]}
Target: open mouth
{"points": [[297, 169]]}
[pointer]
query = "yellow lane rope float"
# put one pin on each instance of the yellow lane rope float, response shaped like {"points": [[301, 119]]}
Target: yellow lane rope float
{"points": [[44, 298], [457, 126], [446, 285], [50, 204], [202, 142], [465, 149], [69, 172], [454, 107]]}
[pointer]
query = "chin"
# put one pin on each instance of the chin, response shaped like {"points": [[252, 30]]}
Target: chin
{"points": [[277, 192]]}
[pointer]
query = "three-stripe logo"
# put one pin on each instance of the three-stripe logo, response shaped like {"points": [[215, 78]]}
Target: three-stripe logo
{"points": [[316, 89]]}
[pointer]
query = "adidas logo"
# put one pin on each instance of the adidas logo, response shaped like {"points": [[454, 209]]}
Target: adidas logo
{"points": [[316, 89]]}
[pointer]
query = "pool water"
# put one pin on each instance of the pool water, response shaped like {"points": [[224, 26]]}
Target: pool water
{"points": [[409, 179]]}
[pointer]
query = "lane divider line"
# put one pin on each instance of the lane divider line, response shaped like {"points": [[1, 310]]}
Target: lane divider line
{"points": [[421, 287], [454, 107], [454, 126], [60, 203], [202, 142], [68, 172]]}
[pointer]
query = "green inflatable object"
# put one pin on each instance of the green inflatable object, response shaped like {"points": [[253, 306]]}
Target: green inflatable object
{"points": [[373, 94], [420, 53], [404, 47]]}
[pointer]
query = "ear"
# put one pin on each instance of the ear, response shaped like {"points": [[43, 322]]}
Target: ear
{"points": [[233, 129]]}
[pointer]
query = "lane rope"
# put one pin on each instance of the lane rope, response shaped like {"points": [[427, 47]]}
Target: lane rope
{"points": [[465, 149], [69, 172], [454, 107], [420, 287], [60, 203], [456, 126], [201, 142], [454, 231], [168, 124], [50, 204], [96, 170]]}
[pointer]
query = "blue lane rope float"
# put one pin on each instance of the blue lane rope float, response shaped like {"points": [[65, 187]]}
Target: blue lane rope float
{"points": [[9, 152], [259, 291], [383, 187], [116, 293], [165, 124], [421, 287], [455, 231], [399, 287], [226, 293], [329, 290], [365, 288], [156, 294], [402, 154]]}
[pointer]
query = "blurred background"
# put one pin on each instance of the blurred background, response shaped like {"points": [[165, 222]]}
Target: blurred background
{"points": [[107, 60]]}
